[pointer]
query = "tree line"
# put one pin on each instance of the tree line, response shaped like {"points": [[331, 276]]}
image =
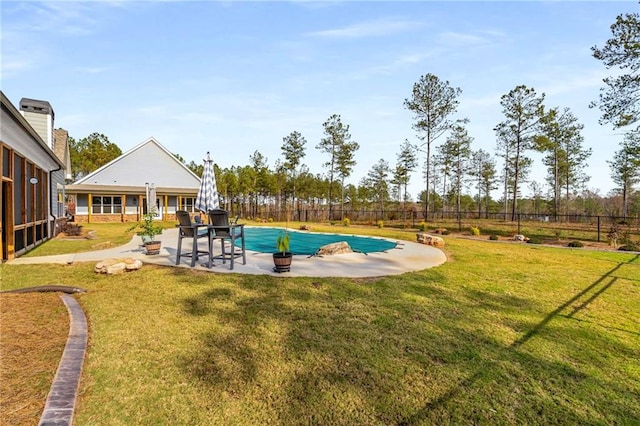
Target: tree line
{"points": [[456, 176]]}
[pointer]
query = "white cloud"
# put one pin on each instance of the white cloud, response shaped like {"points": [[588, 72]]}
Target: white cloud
{"points": [[453, 38], [92, 70], [377, 28]]}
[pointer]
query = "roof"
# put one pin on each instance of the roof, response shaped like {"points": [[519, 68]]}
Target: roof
{"points": [[11, 109], [37, 106], [127, 190], [149, 162]]}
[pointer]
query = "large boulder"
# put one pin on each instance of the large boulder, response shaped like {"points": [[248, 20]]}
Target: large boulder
{"points": [[117, 266], [430, 240], [520, 238], [340, 247]]}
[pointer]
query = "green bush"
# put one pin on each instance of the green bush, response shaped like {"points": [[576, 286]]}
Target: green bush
{"points": [[380, 224], [346, 221], [575, 244], [422, 226], [475, 231], [493, 237], [629, 247]]}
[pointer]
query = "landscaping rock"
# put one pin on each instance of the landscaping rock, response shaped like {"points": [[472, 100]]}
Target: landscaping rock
{"points": [[340, 247], [520, 238], [117, 266], [430, 240]]}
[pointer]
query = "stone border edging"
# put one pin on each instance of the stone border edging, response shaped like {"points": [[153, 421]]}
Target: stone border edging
{"points": [[62, 397], [47, 288]]}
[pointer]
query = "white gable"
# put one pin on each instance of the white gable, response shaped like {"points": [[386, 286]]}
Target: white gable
{"points": [[148, 162]]}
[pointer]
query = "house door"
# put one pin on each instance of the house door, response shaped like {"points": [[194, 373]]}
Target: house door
{"points": [[159, 208]]}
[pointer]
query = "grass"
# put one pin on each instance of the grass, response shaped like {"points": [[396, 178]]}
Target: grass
{"points": [[543, 231], [501, 333], [105, 235]]}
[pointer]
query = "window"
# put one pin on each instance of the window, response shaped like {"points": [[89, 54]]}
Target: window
{"points": [[106, 205], [188, 203], [6, 162]]}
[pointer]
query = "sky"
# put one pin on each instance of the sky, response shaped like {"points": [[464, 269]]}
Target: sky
{"points": [[236, 77]]}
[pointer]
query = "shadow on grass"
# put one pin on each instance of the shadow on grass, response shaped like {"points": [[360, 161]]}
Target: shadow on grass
{"points": [[398, 350], [594, 286], [593, 291]]}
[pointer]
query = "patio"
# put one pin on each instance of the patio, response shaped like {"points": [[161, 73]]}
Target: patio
{"points": [[406, 257]]}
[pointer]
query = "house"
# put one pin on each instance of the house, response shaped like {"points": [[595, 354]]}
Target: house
{"points": [[33, 177], [118, 191]]}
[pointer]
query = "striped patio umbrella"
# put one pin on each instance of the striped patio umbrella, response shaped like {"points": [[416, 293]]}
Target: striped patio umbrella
{"points": [[207, 198]]}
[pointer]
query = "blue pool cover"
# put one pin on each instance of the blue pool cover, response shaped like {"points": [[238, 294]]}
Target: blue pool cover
{"points": [[263, 240]]}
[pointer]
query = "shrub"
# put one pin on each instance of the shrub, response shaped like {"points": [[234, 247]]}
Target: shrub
{"points": [[534, 241], [380, 224], [305, 228], [422, 226], [629, 247], [346, 221], [575, 244], [493, 237], [270, 219], [475, 231]]}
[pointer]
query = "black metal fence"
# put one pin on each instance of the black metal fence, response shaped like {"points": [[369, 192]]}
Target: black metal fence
{"points": [[578, 226]]}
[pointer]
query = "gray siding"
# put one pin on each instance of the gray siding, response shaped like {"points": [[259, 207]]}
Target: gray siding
{"points": [[57, 187], [148, 163], [14, 135]]}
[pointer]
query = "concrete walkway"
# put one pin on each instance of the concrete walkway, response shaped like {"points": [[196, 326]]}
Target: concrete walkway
{"points": [[406, 257]]}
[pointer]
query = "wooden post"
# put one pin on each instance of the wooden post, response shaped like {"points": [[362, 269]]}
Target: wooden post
{"points": [[89, 206], [123, 209]]}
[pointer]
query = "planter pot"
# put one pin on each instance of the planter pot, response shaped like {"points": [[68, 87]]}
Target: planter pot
{"points": [[152, 247], [282, 261]]}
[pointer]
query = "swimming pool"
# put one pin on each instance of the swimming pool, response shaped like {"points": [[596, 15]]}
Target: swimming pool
{"points": [[263, 240]]}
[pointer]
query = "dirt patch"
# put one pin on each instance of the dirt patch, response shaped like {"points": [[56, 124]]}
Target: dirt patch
{"points": [[553, 242], [84, 235]]}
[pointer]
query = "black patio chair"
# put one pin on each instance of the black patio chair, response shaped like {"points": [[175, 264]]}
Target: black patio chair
{"points": [[193, 230], [222, 229]]}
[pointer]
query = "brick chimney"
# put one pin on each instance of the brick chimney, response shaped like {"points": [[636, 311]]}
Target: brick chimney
{"points": [[39, 114], [61, 149]]}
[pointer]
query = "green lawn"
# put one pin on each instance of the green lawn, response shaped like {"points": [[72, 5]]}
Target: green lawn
{"points": [[501, 334]]}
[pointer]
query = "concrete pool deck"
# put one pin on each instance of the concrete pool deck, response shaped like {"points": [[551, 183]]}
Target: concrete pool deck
{"points": [[406, 257]]}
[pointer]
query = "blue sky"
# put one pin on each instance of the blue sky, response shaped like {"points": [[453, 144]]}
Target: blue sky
{"points": [[236, 77]]}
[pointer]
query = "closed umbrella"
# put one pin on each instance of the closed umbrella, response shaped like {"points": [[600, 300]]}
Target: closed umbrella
{"points": [[207, 198], [151, 198]]}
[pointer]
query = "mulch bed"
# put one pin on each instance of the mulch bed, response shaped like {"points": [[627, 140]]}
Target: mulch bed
{"points": [[34, 330]]}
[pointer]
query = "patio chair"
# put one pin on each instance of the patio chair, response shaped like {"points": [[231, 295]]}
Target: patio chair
{"points": [[225, 231], [193, 230]]}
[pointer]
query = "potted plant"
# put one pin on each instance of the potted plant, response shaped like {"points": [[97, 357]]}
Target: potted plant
{"points": [[148, 231], [282, 258]]}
